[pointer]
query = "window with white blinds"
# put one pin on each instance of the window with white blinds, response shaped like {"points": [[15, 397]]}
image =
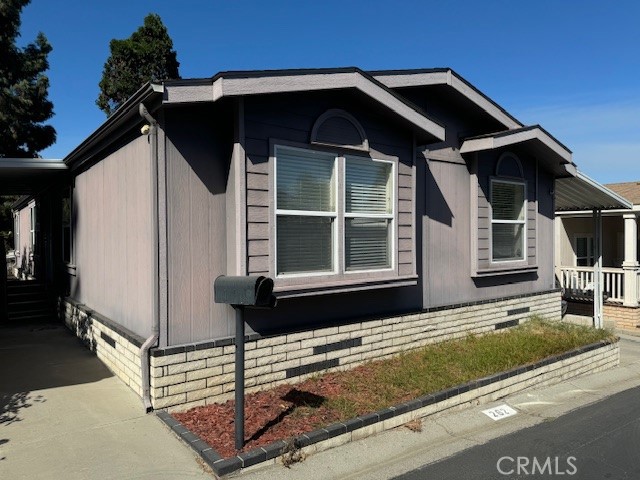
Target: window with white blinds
{"points": [[368, 214], [508, 220], [305, 210], [315, 225]]}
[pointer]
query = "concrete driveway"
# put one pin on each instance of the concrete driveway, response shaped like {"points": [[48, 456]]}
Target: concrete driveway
{"points": [[64, 415]]}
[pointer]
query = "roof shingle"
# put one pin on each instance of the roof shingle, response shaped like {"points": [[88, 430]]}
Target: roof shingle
{"points": [[628, 190]]}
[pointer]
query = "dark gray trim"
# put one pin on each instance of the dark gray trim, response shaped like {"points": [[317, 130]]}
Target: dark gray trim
{"points": [[124, 332], [223, 466], [312, 367], [108, 339], [222, 342], [507, 324], [518, 311], [342, 345], [104, 134]]}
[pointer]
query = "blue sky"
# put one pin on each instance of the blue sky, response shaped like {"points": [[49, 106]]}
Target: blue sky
{"points": [[571, 66]]}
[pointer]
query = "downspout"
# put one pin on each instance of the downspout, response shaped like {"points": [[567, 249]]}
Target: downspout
{"points": [[155, 326]]}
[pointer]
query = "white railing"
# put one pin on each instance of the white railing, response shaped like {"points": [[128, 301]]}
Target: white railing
{"points": [[581, 278]]}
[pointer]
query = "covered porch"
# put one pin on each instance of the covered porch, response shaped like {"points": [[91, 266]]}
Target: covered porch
{"points": [[596, 249]]}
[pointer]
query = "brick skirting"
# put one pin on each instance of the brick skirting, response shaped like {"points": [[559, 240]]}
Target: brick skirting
{"points": [[198, 374], [117, 347]]}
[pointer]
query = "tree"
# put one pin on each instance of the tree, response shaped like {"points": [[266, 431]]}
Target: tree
{"points": [[146, 56], [24, 105]]}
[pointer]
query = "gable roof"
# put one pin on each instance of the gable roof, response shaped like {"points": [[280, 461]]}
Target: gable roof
{"points": [[260, 82], [446, 76], [542, 143], [629, 190]]}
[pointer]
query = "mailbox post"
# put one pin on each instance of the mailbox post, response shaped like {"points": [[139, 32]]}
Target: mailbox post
{"points": [[241, 292]]}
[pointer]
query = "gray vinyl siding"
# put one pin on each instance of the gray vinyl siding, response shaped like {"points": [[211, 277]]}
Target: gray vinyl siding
{"points": [[486, 170], [291, 119], [113, 237], [197, 155], [448, 234]]}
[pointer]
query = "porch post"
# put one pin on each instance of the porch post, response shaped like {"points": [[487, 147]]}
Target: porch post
{"points": [[597, 269], [630, 264]]}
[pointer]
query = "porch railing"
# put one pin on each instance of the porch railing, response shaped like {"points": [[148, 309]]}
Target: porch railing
{"points": [[581, 278]]}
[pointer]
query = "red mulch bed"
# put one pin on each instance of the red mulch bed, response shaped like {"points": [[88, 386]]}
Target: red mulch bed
{"points": [[277, 414]]}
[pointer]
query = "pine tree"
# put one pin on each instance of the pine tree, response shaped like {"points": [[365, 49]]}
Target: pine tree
{"points": [[24, 105], [146, 56]]}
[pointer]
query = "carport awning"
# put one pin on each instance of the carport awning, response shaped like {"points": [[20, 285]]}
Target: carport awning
{"points": [[583, 193], [24, 176]]}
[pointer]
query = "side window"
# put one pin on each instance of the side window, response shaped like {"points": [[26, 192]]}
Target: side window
{"points": [[306, 211], [508, 221]]}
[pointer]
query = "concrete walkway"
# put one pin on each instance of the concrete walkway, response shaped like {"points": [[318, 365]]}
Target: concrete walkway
{"points": [[63, 415]]}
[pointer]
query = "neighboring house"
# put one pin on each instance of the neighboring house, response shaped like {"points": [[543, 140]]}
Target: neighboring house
{"points": [[392, 209], [26, 227], [575, 256]]}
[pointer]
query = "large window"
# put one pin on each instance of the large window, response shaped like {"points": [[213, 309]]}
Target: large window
{"points": [[334, 214], [508, 220]]}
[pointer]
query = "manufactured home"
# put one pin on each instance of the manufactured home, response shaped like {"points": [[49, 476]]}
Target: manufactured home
{"points": [[391, 209]]}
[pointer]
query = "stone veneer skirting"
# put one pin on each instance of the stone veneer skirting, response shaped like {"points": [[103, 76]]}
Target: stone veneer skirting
{"points": [[588, 359], [117, 347], [198, 374]]}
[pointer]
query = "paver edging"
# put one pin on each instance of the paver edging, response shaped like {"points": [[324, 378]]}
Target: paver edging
{"points": [[223, 466]]}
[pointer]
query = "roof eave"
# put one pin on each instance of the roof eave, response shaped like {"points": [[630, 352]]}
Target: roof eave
{"points": [[554, 150], [270, 82], [102, 134], [446, 76], [583, 193]]}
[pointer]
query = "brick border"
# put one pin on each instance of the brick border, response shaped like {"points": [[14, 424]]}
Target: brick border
{"points": [[597, 356]]}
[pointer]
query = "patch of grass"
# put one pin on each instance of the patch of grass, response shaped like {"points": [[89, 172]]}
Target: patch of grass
{"points": [[379, 384]]}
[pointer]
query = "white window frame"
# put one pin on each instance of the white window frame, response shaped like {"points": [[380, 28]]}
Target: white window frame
{"points": [[590, 240], [339, 216], [306, 213], [522, 222], [391, 216], [32, 227], [16, 234]]}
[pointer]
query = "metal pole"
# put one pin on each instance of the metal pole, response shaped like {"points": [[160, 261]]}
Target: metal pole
{"points": [[597, 270], [239, 377]]}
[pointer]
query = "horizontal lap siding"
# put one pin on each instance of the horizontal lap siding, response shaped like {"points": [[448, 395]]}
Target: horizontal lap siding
{"points": [[405, 219], [292, 120], [487, 169]]}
